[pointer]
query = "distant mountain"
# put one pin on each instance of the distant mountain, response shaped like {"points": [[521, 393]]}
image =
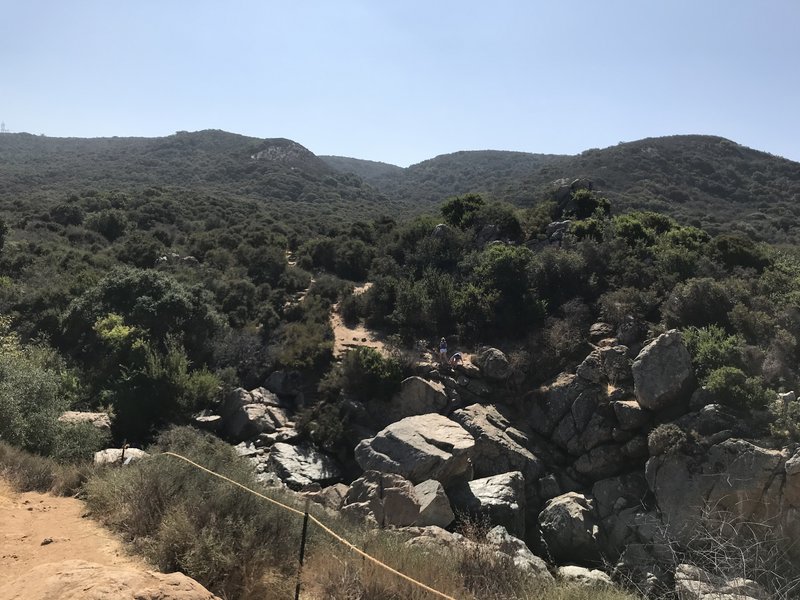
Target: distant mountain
{"points": [[709, 181], [366, 169], [209, 162], [489, 172]]}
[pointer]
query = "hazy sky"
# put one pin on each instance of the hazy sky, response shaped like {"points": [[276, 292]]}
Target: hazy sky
{"points": [[402, 81]]}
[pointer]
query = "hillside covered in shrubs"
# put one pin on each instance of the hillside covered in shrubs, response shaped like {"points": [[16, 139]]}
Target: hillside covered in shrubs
{"points": [[705, 181], [191, 280]]}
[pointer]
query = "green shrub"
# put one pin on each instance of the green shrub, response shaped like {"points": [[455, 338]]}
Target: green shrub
{"points": [[732, 387], [460, 211], [666, 439], [699, 302], [183, 519], [367, 375], [350, 309], [28, 472], [711, 348], [33, 394], [77, 442]]}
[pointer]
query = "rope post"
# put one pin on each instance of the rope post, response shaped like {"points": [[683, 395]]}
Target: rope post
{"points": [[302, 551]]}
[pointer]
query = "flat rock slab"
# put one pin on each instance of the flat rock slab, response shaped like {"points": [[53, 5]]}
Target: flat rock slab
{"points": [[81, 580]]}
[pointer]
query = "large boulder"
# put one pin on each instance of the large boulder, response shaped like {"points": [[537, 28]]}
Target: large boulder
{"points": [[616, 364], [81, 580], [494, 364], [287, 384], [554, 400], [630, 415], [500, 499], [420, 448], [330, 497], [417, 396], [298, 466], [434, 505], [118, 456], [513, 547], [246, 414], [600, 331], [733, 481], [591, 369], [602, 461], [570, 529], [662, 372], [384, 499], [499, 447]]}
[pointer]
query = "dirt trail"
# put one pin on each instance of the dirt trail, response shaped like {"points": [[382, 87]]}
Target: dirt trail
{"points": [[349, 337], [28, 519]]}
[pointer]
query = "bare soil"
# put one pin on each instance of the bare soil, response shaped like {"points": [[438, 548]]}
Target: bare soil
{"points": [[37, 529], [346, 337]]}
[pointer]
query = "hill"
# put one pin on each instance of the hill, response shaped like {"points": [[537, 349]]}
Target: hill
{"points": [[491, 172], [704, 180], [209, 162], [366, 169]]}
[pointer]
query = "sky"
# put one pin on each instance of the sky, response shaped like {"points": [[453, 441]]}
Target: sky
{"points": [[403, 81]]}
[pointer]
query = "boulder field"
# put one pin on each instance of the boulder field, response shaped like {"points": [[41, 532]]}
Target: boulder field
{"points": [[569, 473]]}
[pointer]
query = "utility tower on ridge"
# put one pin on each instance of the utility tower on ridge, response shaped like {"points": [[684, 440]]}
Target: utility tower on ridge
{"points": [[3, 127]]}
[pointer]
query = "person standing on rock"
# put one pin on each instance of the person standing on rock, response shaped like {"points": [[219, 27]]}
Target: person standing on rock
{"points": [[443, 351]]}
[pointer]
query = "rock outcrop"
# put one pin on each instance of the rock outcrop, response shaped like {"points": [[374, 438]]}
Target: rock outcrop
{"points": [[494, 364], [499, 446], [420, 448], [246, 414], [385, 499], [417, 396], [525, 560], [500, 499], [299, 466], [734, 478], [434, 505], [662, 372], [570, 530]]}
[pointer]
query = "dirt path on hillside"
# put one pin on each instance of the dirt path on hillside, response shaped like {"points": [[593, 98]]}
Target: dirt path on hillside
{"points": [[349, 337], [28, 520]]}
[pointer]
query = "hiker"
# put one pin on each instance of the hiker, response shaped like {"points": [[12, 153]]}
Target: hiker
{"points": [[456, 359], [443, 351]]}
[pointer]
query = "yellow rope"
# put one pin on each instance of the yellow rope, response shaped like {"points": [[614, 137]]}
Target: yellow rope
{"points": [[357, 550], [322, 526], [236, 483]]}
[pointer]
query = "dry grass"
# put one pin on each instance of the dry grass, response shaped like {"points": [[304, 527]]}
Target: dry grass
{"points": [[28, 472], [243, 548]]}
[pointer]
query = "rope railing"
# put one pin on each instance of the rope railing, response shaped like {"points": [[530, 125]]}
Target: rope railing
{"points": [[320, 524]]}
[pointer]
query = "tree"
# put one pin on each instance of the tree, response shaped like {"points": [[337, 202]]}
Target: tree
{"points": [[460, 211], [149, 300]]}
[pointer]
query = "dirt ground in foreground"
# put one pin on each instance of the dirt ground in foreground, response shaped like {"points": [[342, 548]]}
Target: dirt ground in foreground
{"points": [[28, 520]]}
